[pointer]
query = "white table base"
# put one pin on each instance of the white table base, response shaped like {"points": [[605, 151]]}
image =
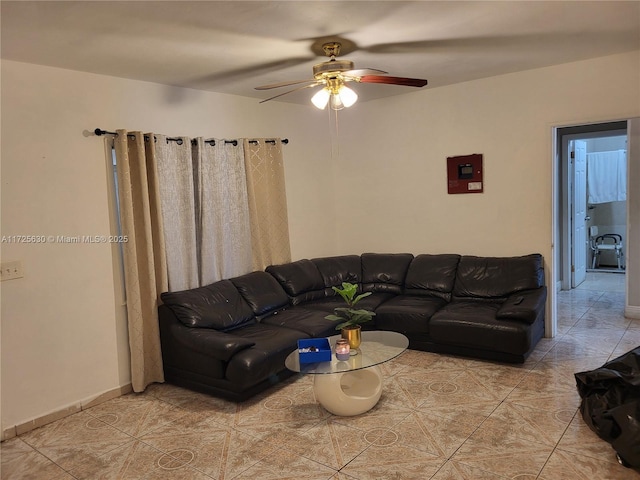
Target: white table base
{"points": [[349, 393]]}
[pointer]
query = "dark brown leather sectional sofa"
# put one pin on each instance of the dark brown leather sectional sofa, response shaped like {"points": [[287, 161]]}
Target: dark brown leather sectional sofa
{"points": [[231, 338]]}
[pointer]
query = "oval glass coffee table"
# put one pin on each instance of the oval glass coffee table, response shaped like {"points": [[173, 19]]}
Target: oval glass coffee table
{"points": [[353, 386]]}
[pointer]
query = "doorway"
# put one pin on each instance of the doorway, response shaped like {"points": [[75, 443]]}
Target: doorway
{"points": [[592, 195]]}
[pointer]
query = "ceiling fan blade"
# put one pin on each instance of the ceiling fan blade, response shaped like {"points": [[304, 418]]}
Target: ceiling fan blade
{"points": [[526, 41], [359, 72], [417, 46], [407, 82], [241, 73], [290, 91], [284, 84]]}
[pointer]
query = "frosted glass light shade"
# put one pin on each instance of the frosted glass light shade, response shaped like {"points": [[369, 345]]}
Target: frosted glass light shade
{"points": [[348, 96], [321, 98]]}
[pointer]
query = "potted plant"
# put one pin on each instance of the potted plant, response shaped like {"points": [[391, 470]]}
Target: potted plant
{"points": [[350, 317]]}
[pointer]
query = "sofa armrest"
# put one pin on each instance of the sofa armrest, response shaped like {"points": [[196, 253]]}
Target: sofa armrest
{"points": [[219, 345], [525, 306]]}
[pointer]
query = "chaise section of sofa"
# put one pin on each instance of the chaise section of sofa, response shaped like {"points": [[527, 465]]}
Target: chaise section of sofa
{"points": [[212, 341]]}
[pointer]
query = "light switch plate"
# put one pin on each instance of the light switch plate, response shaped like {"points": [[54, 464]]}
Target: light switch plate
{"points": [[11, 270]]}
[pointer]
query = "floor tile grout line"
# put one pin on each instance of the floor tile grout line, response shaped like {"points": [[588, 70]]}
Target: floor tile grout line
{"points": [[557, 444], [36, 450], [137, 438]]}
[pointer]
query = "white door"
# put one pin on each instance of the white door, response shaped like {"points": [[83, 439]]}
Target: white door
{"points": [[579, 213]]}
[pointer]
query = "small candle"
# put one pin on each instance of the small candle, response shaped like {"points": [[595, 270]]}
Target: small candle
{"points": [[342, 350]]}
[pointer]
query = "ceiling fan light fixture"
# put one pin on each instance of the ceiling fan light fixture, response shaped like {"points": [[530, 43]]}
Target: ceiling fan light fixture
{"points": [[336, 102], [321, 98], [337, 97], [333, 75], [348, 96]]}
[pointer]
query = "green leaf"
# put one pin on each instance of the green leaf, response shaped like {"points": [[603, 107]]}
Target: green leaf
{"points": [[362, 311], [360, 297], [347, 292], [348, 315], [343, 309]]}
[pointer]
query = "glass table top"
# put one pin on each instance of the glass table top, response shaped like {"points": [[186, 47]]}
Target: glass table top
{"points": [[377, 347]]}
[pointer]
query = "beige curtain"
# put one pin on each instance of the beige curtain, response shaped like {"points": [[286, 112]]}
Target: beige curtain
{"points": [[192, 216], [145, 268], [222, 211], [267, 202]]}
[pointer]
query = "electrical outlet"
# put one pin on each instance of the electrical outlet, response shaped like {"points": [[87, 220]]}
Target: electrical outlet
{"points": [[11, 270]]}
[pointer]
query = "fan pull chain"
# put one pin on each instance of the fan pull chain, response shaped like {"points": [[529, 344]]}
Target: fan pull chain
{"points": [[335, 134]]}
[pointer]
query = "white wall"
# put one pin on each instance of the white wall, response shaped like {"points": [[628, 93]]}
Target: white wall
{"points": [[61, 340], [394, 150]]}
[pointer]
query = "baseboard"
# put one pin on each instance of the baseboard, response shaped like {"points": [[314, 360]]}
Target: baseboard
{"points": [[606, 270], [632, 312], [89, 402]]}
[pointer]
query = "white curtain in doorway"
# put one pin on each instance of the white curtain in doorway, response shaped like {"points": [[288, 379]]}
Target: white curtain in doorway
{"points": [[222, 210], [607, 176]]}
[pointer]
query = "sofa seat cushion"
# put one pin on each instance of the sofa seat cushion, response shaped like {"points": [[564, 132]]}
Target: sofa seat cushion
{"points": [[325, 305], [526, 306], [310, 322], [373, 301], [408, 314], [266, 357], [328, 304], [474, 324]]}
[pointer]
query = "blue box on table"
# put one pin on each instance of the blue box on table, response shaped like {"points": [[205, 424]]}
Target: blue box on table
{"points": [[322, 352]]}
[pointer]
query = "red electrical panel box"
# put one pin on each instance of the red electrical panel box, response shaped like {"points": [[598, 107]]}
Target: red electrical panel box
{"points": [[464, 174]]}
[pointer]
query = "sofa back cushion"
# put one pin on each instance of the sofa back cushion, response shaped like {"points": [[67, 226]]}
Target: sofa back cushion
{"points": [[432, 275], [497, 277], [335, 270], [384, 272], [261, 291], [301, 280], [219, 306]]}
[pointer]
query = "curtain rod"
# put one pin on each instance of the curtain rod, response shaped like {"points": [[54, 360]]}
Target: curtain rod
{"points": [[100, 132]]}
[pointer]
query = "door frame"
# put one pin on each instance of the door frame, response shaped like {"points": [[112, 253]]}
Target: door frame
{"points": [[564, 187], [578, 218]]}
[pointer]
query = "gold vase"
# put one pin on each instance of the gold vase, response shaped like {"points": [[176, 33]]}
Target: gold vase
{"points": [[353, 335]]}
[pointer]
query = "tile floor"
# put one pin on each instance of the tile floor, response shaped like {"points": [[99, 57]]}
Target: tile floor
{"points": [[440, 418]]}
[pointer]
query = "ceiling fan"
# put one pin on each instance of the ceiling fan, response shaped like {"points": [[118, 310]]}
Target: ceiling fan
{"points": [[333, 75]]}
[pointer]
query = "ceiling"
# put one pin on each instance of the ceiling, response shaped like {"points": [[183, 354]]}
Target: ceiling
{"points": [[233, 46]]}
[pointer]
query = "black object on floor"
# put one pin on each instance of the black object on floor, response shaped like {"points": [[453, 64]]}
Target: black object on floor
{"points": [[611, 404]]}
